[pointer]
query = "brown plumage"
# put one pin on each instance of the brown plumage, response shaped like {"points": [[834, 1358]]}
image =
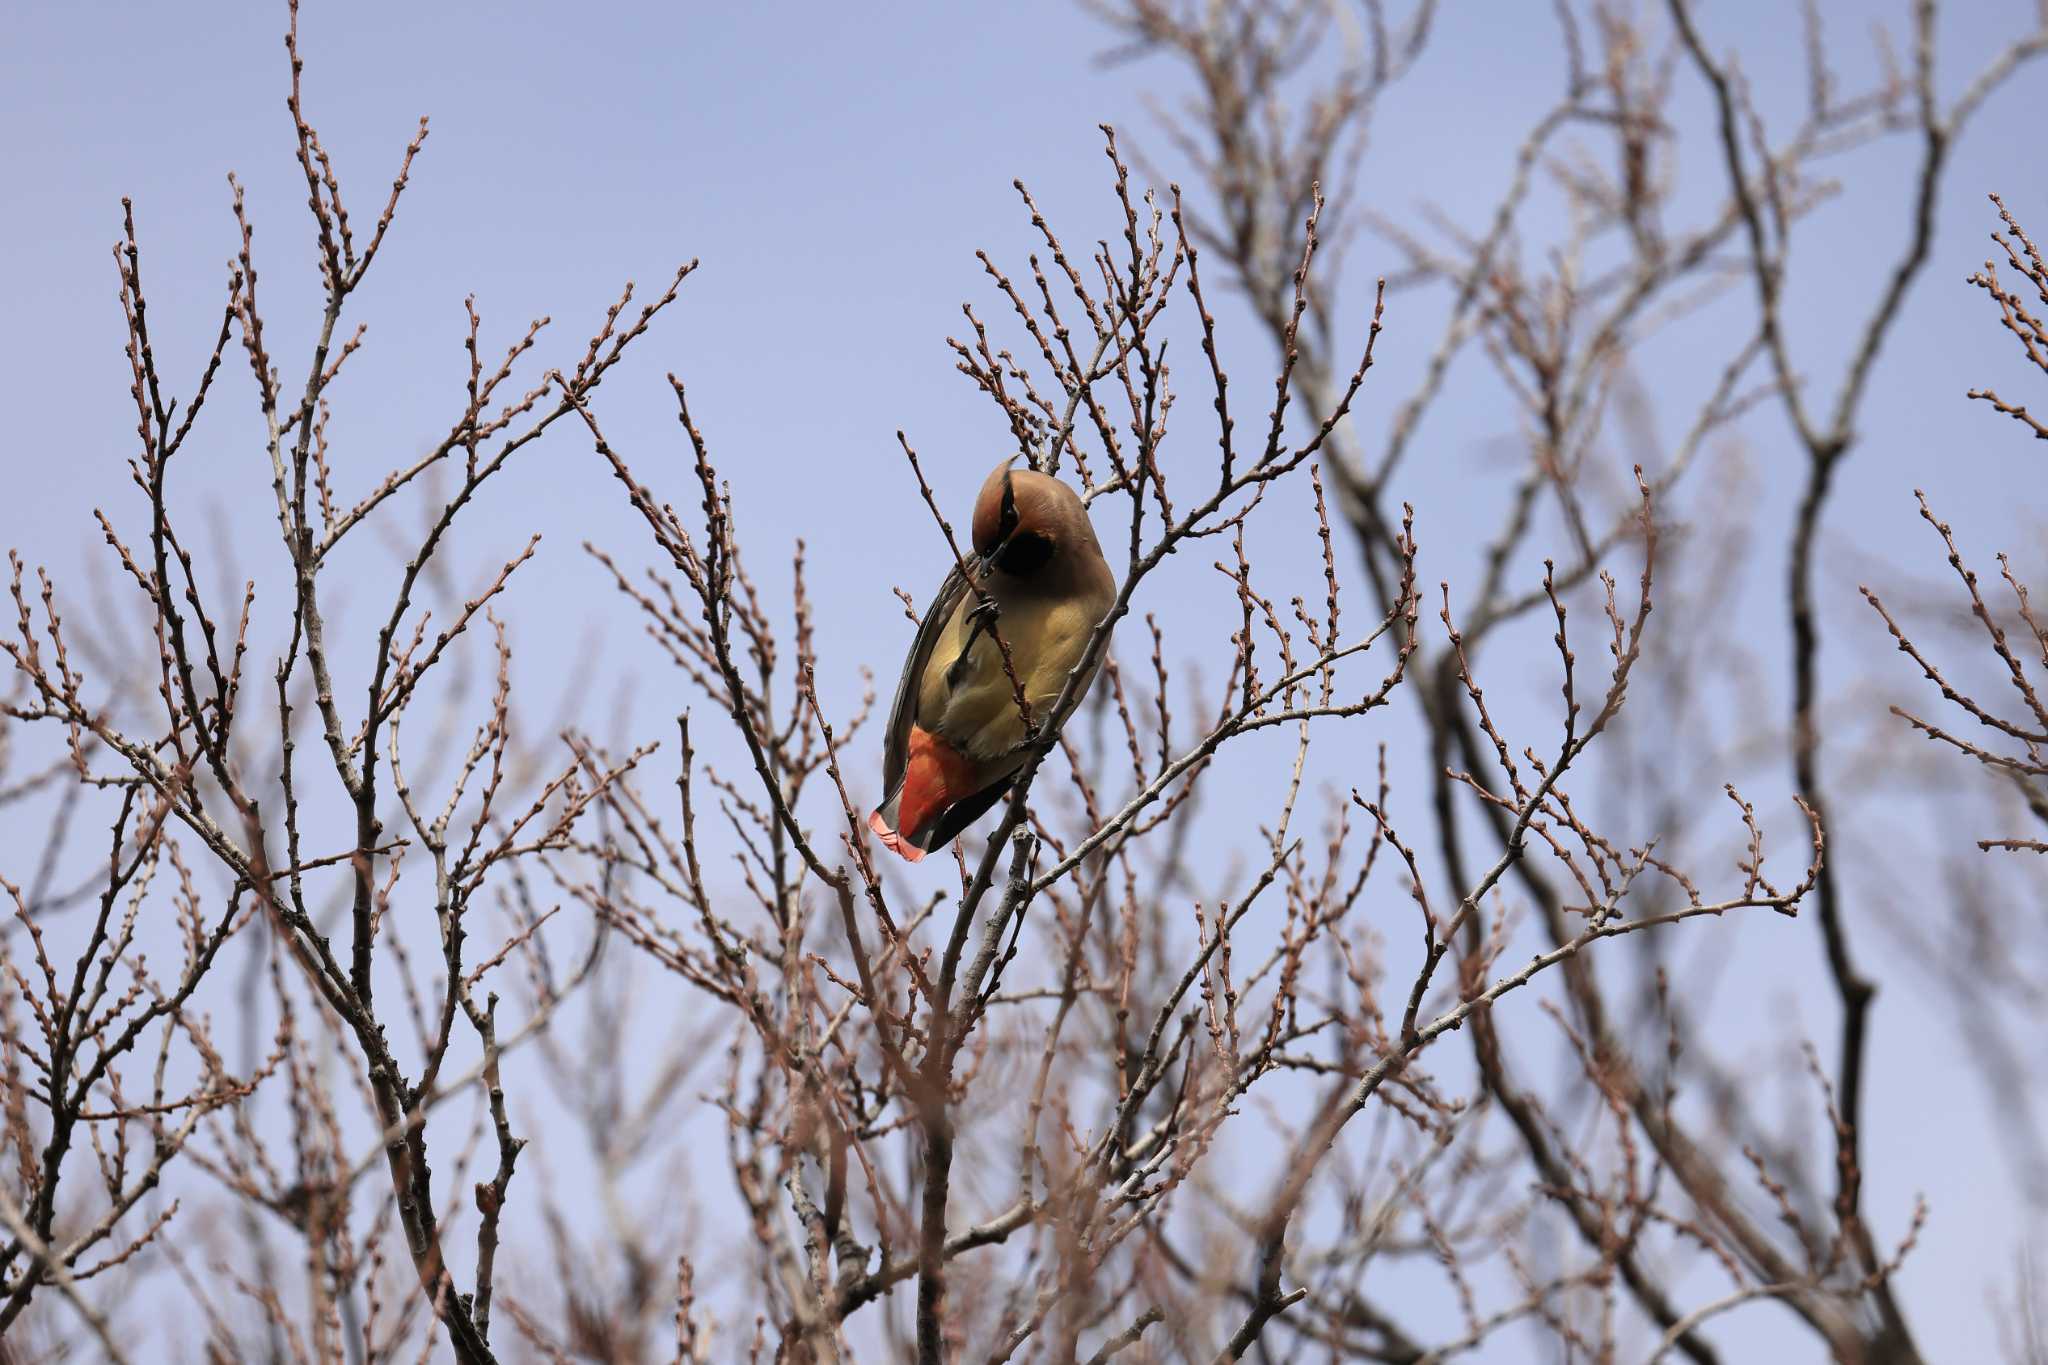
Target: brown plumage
{"points": [[956, 736]]}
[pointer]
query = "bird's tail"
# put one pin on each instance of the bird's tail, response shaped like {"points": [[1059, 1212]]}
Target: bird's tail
{"points": [[883, 822], [936, 777]]}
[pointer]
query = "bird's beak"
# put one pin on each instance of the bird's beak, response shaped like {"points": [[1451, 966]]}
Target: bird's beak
{"points": [[985, 564]]}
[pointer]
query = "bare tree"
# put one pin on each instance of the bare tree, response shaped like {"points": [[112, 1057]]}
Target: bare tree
{"points": [[1561, 342], [1100, 1093], [1133, 1043], [97, 1040], [1992, 967]]}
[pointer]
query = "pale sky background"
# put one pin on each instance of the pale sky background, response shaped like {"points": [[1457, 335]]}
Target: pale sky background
{"points": [[835, 167]]}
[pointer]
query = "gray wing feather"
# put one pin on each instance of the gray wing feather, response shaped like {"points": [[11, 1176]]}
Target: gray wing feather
{"points": [[896, 742]]}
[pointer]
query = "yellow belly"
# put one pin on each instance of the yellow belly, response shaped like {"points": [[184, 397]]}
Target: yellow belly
{"points": [[977, 712]]}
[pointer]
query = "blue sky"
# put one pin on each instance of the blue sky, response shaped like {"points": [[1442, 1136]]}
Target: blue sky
{"points": [[835, 168]]}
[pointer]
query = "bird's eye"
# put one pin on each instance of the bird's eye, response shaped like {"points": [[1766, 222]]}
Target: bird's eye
{"points": [[1025, 554]]}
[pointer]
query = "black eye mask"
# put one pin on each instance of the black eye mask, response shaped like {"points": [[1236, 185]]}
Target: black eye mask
{"points": [[1018, 553], [1007, 523], [1024, 554]]}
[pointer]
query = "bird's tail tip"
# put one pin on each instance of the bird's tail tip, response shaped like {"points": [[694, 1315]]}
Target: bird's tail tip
{"points": [[894, 841]]}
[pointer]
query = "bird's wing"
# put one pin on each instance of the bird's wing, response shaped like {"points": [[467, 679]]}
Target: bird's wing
{"points": [[903, 712], [965, 812]]}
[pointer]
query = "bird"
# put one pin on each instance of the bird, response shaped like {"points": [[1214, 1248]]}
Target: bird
{"points": [[956, 734]]}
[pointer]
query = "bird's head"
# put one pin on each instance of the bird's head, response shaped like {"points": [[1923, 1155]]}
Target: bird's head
{"points": [[1023, 520]]}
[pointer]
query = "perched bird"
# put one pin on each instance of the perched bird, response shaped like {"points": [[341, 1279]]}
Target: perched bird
{"points": [[956, 734]]}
